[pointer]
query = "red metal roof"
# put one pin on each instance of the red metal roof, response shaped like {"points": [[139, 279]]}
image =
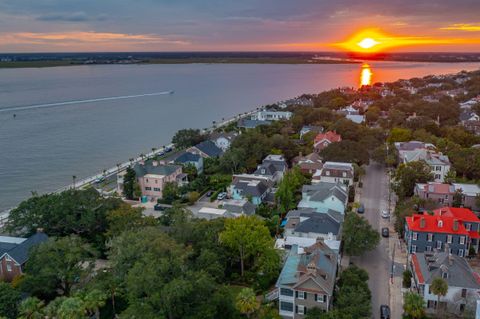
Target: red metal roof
{"points": [[463, 214], [332, 136], [417, 270], [432, 224], [473, 234]]}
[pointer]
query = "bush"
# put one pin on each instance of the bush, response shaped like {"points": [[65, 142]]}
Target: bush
{"points": [[351, 194], [407, 279]]}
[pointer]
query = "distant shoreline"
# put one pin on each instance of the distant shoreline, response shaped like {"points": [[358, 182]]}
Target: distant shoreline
{"points": [[57, 63]]}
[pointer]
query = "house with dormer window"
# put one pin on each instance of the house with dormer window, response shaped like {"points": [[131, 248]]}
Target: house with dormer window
{"points": [[307, 280], [448, 228]]}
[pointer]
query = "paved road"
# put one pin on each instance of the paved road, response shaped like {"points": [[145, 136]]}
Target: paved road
{"points": [[377, 262]]}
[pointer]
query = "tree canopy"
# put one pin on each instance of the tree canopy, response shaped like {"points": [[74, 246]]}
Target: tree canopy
{"points": [[358, 235]]}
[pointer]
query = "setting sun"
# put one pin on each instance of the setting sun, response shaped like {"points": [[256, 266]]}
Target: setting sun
{"points": [[367, 43]]}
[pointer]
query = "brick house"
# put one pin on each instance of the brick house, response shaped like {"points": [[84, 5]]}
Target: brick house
{"points": [[14, 254], [308, 164]]}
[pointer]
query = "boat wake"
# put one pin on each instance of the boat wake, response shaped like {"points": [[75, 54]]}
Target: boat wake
{"points": [[101, 99]]}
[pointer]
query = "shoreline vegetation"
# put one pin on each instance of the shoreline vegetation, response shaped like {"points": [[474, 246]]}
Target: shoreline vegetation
{"points": [[41, 60], [71, 62]]}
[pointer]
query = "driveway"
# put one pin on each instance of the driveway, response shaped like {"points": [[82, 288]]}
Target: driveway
{"points": [[377, 262]]}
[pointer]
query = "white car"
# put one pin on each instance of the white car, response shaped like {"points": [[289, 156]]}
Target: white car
{"points": [[385, 214], [222, 196]]}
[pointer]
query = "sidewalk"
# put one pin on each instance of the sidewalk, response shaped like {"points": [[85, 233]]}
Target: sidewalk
{"points": [[400, 259]]}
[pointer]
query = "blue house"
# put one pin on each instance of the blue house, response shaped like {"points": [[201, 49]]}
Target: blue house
{"points": [[246, 187], [324, 197]]}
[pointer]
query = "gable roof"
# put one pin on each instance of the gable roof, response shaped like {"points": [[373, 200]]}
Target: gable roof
{"points": [[330, 136], [251, 187], [468, 189], [19, 253], [248, 123], [313, 222], [208, 147], [436, 188], [187, 157], [428, 266], [323, 190]]}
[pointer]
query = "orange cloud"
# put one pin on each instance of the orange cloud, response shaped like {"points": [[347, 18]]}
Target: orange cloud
{"points": [[462, 27], [84, 37]]}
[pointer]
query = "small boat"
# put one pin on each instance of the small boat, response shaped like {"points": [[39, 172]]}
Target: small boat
{"points": [[171, 92]]}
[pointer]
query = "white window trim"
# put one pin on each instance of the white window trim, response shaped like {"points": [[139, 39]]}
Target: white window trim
{"points": [[301, 309]]}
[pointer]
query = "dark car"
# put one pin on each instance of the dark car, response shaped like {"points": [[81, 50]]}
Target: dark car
{"points": [[159, 207], [385, 232], [384, 312], [361, 209], [209, 193]]}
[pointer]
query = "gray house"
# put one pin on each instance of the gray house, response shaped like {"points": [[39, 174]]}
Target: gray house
{"points": [[273, 167], [307, 281], [463, 282]]}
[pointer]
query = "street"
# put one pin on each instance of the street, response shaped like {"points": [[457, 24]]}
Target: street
{"points": [[377, 262]]}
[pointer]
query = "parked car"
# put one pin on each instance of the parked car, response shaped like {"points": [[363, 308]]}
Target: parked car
{"points": [[209, 193], [385, 214], [385, 232], [384, 312], [222, 196], [159, 207], [361, 209]]}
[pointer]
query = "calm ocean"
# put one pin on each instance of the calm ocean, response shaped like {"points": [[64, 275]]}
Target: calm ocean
{"points": [[44, 145]]}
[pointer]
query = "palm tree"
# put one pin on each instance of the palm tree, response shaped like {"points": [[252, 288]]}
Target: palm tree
{"points": [[246, 302], [31, 308], [93, 301], [439, 287], [71, 308], [413, 305]]}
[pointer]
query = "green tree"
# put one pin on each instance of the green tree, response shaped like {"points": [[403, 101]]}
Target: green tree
{"points": [[9, 300], [80, 212], [187, 137], [398, 134], [71, 308], [170, 192], [126, 217], [373, 114], [358, 235], [288, 187], [346, 151], [93, 301], [407, 278], [407, 175], [457, 198], [31, 308], [57, 265], [193, 197], [439, 287], [246, 302], [353, 297], [315, 313], [414, 305], [248, 236], [129, 182]]}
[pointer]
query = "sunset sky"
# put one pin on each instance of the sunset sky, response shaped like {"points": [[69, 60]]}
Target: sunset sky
{"points": [[227, 25]]}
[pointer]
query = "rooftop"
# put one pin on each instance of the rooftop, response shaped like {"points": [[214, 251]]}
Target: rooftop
{"points": [[436, 224], [154, 168]]}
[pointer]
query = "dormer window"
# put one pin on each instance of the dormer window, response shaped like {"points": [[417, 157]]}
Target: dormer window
{"points": [[327, 173], [440, 223], [444, 275]]}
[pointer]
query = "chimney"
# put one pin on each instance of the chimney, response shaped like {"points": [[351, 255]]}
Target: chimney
{"points": [[455, 224], [422, 222]]}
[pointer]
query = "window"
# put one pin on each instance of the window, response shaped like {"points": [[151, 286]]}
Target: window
{"points": [[286, 292], [415, 236], [301, 295], [9, 267], [320, 298], [286, 306], [438, 168], [449, 239], [429, 237], [464, 293], [460, 252], [429, 248], [146, 180], [439, 244], [468, 227], [327, 173], [437, 176], [301, 309], [156, 189], [440, 223], [462, 240], [413, 249], [444, 275], [7, 258], [148, 188]]}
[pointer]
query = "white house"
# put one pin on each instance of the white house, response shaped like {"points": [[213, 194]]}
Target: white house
{"points": [[335, 172], [271, 115]]}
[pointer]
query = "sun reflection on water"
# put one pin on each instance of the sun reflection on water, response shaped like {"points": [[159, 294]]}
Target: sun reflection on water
{"points": [[366, 75]]}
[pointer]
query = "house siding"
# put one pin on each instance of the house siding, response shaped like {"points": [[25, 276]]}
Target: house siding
{"points": [[5, 274], [422, 243]]}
